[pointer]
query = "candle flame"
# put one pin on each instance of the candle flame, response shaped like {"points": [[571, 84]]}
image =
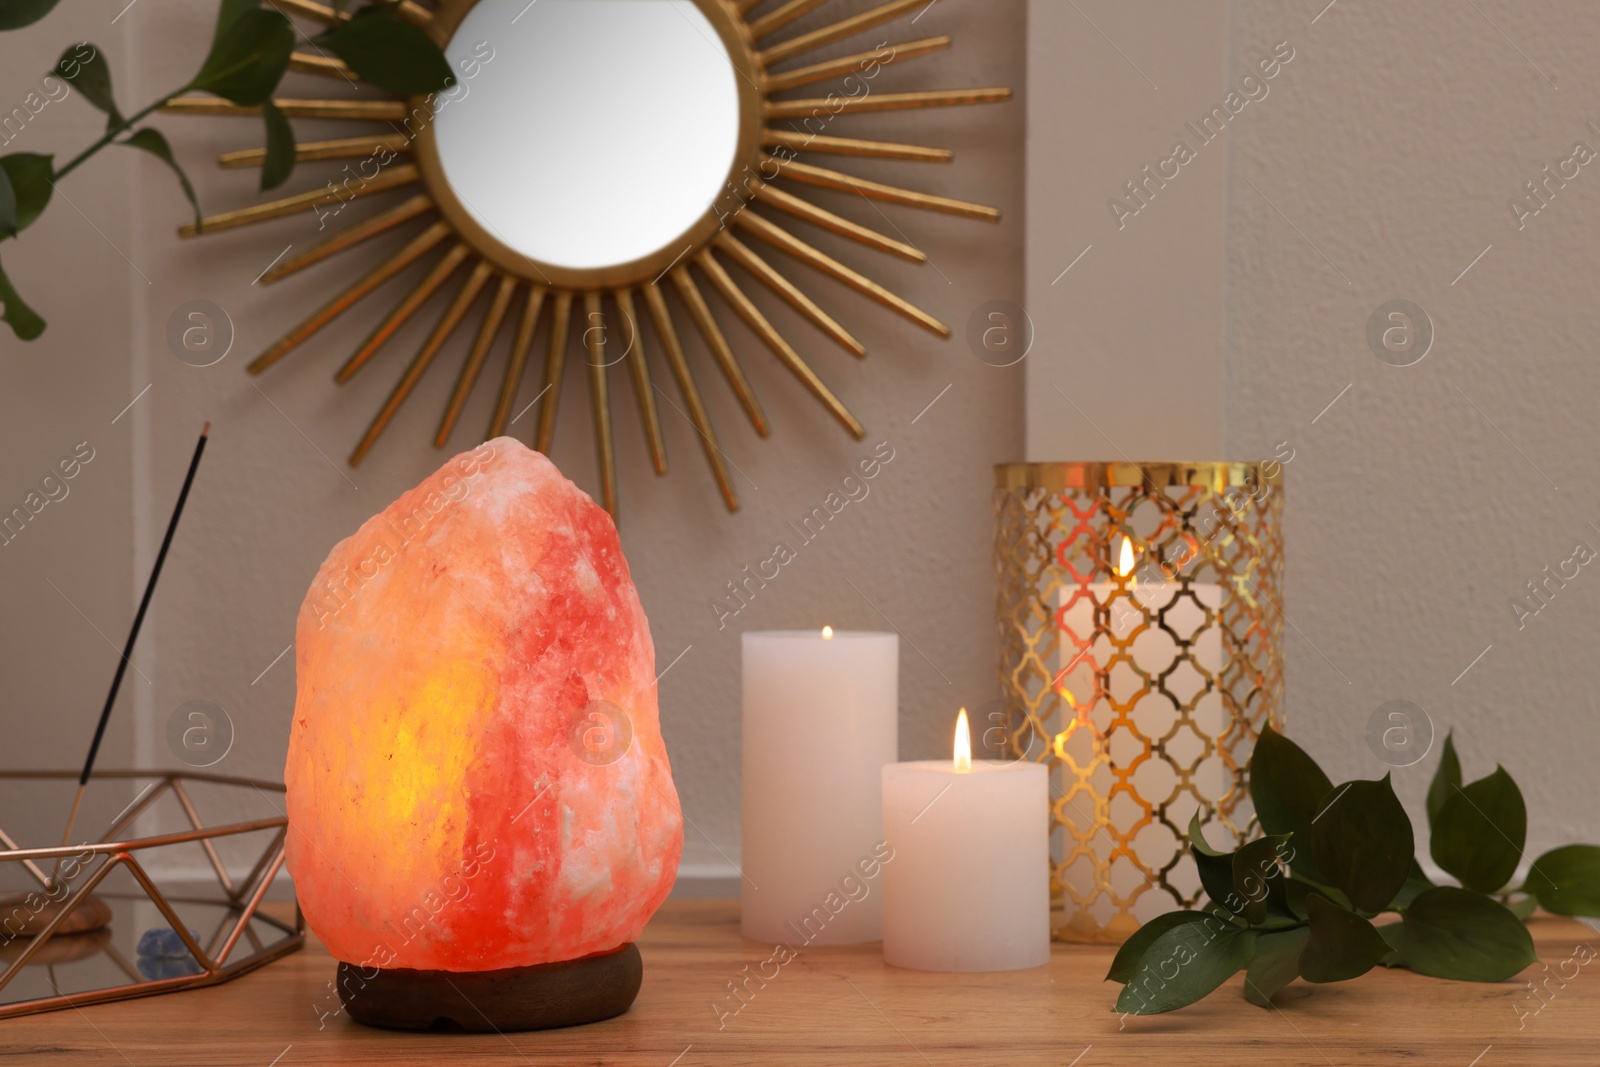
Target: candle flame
{"points": [[1125, 559], [963, 747], [827, 633]]}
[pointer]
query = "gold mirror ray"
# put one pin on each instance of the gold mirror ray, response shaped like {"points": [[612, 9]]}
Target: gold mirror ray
{"points": [[555, 365], [765, 182], [642, 386], [516, 362], [830, 68]]}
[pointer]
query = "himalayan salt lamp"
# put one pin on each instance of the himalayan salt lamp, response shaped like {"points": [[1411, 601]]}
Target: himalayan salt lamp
{"points": [[482, 816]]}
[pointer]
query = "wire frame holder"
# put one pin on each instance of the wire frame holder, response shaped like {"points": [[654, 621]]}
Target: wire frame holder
{"points": [[1140, 624], [220, 958]]}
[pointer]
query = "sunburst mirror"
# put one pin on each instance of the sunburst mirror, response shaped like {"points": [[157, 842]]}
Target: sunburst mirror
{"points": [[591, 156]]}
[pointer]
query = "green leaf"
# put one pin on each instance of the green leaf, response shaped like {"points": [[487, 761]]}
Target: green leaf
{"points": [[1295, 894], [1363, 841], [1197, 837], [90, 75], [1275, 964], [15, 14], [1523, 907], [1216, 869], [150, 140], [1458, 933], [387, 52], [25, 322], [1343, 945], [279, 163], [1416, 882], [1255, 874], [29, 175], [230, 11], [1392, 933], [8, 207], [1183, 965], [1126, 963], [1278, 906], [1298, 887], [1446, 780], [248, 57], [1288, 788], [1567, 880], [1480, 830]]}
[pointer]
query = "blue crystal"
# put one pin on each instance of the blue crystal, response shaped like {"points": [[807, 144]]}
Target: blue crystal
{"points": [[163, 942], [156, 968]]}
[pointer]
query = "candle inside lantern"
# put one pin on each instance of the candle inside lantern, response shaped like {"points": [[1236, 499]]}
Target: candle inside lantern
{"points": [[821, 719], [969, 885], [1124, 663], [1136, 594], [1091, 650]]}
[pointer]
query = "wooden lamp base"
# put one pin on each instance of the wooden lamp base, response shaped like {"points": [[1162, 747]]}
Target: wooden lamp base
{"points": [[542, 997]]}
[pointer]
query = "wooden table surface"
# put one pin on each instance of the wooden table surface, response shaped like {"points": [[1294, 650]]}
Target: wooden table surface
{"points": [[844, 1006]]}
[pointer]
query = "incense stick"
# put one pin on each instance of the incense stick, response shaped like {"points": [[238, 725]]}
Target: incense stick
{"points": [[133, 634]]}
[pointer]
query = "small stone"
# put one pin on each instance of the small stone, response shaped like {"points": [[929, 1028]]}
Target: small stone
{"points": [[26, 914], [61, 948], [163, 942], [155, 968]]}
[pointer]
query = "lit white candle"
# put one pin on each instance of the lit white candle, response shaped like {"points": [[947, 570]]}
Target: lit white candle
{"points": [[968, 885], [1098, 686], [1141, 593], [1087, 652], [821, 719]]}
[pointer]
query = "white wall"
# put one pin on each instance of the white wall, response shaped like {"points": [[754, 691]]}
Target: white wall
{"points": [[1389, 145], [66, 579], [1127, 308], [268, 504], [1230, 315], [1418, 505]]}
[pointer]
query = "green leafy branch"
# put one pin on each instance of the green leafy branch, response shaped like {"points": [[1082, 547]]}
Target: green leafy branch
{"points": [[250, 51], [1300, 901]]}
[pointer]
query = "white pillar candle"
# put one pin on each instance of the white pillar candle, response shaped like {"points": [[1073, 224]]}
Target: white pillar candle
{"points": [[821, 719], [967, 887], [1092, 657], [1147, 592]]}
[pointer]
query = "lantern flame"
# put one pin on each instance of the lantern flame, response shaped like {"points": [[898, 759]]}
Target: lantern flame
{"points": [[963, 746], [1125, 559], [827, 633]]}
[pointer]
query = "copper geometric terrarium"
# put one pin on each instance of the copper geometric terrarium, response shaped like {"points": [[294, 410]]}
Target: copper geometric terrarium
{"points": [[91, 922]]}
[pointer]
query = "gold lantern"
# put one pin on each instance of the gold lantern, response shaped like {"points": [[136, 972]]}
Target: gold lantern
{"points": [[1140, 621]]}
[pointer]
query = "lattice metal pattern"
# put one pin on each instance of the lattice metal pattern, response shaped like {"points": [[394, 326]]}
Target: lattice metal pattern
{"points": [[1148, 683]]}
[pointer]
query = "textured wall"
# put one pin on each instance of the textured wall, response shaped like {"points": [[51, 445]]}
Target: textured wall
{"points": [[1126, 305], [66, 578], [1379, 168], [273, 495], [1427, 496]]}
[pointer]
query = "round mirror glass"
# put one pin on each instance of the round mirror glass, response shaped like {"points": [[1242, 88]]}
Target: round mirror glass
{"points": [[588, 133]]}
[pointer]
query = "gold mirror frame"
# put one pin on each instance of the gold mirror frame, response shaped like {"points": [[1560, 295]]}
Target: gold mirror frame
{"points": [[735, 36], [764, 169]]}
